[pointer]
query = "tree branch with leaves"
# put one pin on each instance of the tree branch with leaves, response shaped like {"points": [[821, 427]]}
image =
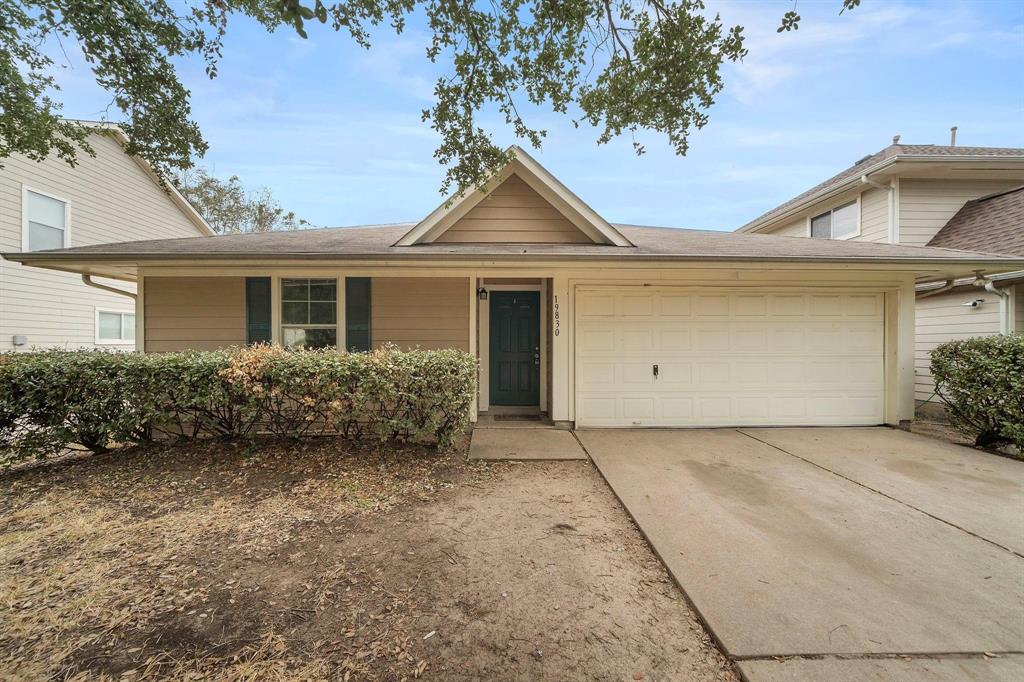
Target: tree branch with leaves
{"points": [[621, 66]]}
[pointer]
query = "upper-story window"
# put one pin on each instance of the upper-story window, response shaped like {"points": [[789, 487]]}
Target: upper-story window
{"points": [[45, 222], [838, 223]]}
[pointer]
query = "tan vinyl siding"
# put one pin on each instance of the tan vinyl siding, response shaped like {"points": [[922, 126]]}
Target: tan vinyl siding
{"points": [[110, 199], [927, 205], [421, 312], [874, 216], [794, 228], [194, 313], [514, 212], [945, 318]]}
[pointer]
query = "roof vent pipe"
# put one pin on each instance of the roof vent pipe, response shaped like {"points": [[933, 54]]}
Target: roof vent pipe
{"points": [[952, 136], [895, 139]]}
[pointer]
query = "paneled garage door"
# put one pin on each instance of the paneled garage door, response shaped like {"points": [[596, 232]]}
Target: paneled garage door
{"points": [[683, 357]]}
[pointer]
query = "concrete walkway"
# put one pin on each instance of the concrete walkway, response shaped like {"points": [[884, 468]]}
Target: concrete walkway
{"points": [[496, 443], [854, 554]]}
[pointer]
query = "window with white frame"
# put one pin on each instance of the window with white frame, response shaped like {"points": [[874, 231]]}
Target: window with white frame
{"points": [[115, 326], [309, 313], [838, 223], [45, 221]]}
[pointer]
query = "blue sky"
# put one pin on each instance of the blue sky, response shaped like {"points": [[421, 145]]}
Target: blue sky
{"points": [[335, 131]]}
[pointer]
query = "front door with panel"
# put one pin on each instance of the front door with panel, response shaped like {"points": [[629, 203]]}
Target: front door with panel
{"points": [[515, 348]]}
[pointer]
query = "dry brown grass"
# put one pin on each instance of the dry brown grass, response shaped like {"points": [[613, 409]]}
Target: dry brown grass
{"points": [[124, 565], [324, 561]]}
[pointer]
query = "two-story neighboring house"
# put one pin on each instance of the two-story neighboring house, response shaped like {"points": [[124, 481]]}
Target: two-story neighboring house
{"points": [[926, 195], [109, 197]]}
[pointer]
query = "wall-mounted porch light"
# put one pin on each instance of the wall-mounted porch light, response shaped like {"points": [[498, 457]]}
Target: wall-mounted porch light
{"points": [[481, 293]]}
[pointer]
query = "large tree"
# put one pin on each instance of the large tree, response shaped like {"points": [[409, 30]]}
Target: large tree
{"points": [[619, 65], [231, 209]]}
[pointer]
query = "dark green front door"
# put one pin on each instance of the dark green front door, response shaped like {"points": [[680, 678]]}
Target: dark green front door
{"points": [[515, 348]]}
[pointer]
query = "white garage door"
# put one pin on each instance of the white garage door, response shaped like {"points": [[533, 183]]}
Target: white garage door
{"points": [[683, 357]]}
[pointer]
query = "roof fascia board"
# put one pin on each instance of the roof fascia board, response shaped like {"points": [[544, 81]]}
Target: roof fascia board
{"points": [[994, 265], [538, 178], [852, 182], [176, 197]]}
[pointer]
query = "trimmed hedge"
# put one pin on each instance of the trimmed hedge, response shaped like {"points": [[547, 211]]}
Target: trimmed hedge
{"points": [[981, 381], [53, 399]]}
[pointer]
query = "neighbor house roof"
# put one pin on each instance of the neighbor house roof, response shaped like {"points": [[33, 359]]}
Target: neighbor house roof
{"points": [[875, 162], [376, 242], [993, 223]]}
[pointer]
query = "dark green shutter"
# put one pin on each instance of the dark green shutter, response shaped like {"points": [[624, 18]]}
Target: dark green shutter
{"points": [[257, 310], [357, 313]]}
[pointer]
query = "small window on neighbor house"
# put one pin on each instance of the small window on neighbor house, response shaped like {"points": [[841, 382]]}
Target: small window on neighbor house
{"points": [[839, 223], [357, 313], [309, 313], [257, 310], [46, 222], [114, 326]]}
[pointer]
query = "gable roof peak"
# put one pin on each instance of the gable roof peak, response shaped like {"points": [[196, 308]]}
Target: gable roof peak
{"points": [[539, 179]]}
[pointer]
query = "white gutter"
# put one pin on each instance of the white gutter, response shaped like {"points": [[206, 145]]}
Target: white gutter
{"points": [[87, 280]]}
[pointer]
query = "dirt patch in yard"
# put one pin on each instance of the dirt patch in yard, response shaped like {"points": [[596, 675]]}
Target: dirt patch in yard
{"points": [[332, 562]]}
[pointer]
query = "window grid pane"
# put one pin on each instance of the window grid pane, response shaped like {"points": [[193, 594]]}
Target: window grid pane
{"points": [[844, 220], [43, 237], [128, 326], [110, 326], [821, 226], [309, 313], [46, 210]]}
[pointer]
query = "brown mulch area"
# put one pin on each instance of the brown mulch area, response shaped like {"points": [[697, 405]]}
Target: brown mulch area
{"points": [[331, 561]]}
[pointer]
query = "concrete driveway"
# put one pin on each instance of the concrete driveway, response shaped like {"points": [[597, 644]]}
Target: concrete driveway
{"points": [[835, 554]]}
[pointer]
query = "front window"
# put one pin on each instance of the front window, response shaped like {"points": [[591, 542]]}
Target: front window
{"points": [[309, 313], [839, 223], [46, 222], [114, 326]]}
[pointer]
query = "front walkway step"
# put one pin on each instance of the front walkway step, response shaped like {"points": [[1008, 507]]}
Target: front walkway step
{"points": [[523, 444]]}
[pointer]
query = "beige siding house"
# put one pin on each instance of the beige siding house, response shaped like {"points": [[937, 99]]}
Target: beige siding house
{"points": [[926, 195], [110, 197], [572, 318]]}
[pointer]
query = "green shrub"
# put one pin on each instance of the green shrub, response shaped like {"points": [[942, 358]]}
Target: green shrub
{"points": [[53, 399], [981, 381]]}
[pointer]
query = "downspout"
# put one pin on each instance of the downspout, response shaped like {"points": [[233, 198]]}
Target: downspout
{"points": [[87, 280], [950, 283], [1004, 301]]}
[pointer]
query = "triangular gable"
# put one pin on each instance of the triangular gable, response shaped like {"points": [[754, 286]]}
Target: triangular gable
{"points": [[524, 203]]}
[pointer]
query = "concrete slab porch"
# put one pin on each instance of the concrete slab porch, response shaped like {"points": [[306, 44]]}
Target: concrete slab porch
{"points": [[495, 443]]}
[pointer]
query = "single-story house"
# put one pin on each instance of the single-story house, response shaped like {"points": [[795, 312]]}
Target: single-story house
{"points": [[591, 323]]}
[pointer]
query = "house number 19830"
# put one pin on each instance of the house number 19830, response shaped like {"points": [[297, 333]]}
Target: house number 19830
{"points": [[556, 315]]}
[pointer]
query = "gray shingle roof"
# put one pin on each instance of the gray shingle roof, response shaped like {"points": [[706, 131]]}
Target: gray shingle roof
{"points": [[653, 243], [893, 150], [994, 223]]}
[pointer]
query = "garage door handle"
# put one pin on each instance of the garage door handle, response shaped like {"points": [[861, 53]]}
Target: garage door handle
{"points": [[654, 368]]}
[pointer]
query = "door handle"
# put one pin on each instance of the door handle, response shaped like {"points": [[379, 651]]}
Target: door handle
{"points": [[654, 369]]}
